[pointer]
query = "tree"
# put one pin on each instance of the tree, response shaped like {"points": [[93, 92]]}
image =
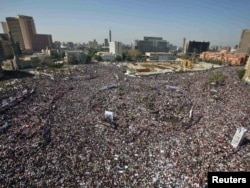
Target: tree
{"points": [[241, 73], [118, 58], [217, 77], [97, 57], [47, 61], [126, 56], [72, 59], [54, 54], [62, 55], [134, 54], [35, 62], [87, 59], [92, 52]]}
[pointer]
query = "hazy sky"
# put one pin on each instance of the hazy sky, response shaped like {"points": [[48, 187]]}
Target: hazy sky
{"points": [[218, 21]]}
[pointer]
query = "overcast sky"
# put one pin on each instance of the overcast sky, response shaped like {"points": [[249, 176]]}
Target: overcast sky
{"points": [[218, 21]]}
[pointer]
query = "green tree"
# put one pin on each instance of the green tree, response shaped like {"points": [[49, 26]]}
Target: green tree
{"points": [[92, 52], [118, 58], [72, 59], [54, 54], [134, 54], [47, 61], [35, 62], [126, 56], [87, 59], [241, 73], [55, 65], [62, 55], [97, 57], [217, 78]]}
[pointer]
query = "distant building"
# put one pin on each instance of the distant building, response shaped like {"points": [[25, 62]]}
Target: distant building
{"points": [[106, 42], [115, 48], [23, 31], [41, 56], [227, 48], [184, 43], [214, 48], [223, 56], [78, 55], [151, 44], [196, 47], [70, 45], [159, 56], [57, 44], [5, 47], [93, 44], [106, 56], [42, 41], [244, 45]]}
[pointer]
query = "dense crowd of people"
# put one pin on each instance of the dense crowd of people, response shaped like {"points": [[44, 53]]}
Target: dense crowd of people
{"points": [[168, 130]]}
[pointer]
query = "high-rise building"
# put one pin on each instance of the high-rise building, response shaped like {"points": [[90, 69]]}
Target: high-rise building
{"points": [[106, 42], [244, 45], [151, 44], [115, 48], [109, 35], [23, 31], [5, 27], [184, 43], [12, 25], [5, 47], [196, 47]]}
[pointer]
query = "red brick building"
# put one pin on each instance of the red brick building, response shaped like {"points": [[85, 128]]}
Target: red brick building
{"points": [[234, 59]]}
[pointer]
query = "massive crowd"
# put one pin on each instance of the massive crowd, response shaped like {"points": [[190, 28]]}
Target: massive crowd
{"points": [[58, 136]]}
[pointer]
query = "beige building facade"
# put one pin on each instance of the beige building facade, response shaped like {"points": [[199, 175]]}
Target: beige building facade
{"points": [[244, 45], [23, 31], [247, 73]]}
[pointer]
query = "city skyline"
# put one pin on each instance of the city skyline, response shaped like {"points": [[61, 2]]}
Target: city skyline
{"points": [[219, 22]]}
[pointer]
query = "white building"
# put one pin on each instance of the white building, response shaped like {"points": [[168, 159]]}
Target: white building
{"points": [[115, 48], [106, 56], [159, 56]]}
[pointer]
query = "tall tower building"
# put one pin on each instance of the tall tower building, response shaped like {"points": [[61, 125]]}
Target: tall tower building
{"points": [[28, 30], [23, 31], [15, 29], [5, 27], [244, 45], [106, 43], [109, 35], [184, 43]]}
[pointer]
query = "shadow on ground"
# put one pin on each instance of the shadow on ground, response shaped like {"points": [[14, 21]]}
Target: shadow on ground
{"points": [[10, 74]]}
